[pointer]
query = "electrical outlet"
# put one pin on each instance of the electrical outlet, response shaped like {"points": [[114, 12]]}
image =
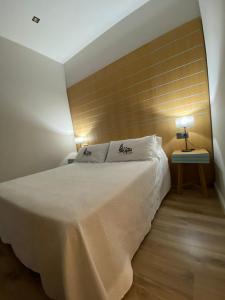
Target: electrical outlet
{"points": [[182, 135]]}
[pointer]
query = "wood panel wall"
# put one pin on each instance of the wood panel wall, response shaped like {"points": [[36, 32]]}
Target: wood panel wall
{"points": [[143, 92]]}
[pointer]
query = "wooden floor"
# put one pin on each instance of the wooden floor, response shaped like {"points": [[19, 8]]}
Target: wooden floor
{"points": [[183, 257]]}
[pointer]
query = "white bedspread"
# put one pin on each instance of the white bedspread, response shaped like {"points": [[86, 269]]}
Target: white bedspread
{"points": [[79, 225]]}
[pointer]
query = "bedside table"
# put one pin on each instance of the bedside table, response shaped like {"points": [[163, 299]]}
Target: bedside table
{"points": [[198, 157], [70, 160]]}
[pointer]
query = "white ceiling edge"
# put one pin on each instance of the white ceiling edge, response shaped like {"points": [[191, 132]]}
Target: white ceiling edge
{"points": [[150, 21], [107, 26], [65, 27]]}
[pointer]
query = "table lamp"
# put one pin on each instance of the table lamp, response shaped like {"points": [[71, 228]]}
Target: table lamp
{"points": [[184, 122]]}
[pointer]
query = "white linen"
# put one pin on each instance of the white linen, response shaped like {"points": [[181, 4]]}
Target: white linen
{"points": [[80, 225]]}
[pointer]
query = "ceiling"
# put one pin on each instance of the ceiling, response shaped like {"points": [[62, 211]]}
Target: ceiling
{"points": [[151, 20], [87, 35], [66, 26]]}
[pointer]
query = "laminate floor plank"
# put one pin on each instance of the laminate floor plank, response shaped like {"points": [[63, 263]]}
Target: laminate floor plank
{"points": [[182, 258]]}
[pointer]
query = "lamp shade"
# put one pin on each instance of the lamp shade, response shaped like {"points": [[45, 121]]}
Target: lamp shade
{"points": [[80, 139], [187, 121]]}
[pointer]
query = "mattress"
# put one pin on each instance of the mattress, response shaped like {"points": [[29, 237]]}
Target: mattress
{"points": [[80, 225]]}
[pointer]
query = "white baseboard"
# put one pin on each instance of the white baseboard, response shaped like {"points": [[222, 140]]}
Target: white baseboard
{"points": [[220, 195]]}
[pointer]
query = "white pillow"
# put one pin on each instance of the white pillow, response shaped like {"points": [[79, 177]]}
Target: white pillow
{"points": [[93, 153], [144, 148]]}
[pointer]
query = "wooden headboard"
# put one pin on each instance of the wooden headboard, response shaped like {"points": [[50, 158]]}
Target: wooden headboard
{"points": [[143, 92]]}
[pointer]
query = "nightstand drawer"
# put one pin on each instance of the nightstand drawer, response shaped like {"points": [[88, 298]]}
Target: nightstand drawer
{"points": [[190, 160], [200, 156]]}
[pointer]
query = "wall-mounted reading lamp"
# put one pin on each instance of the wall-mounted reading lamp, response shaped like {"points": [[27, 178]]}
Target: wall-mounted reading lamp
{"points": [[184, 122], [80, 140]]}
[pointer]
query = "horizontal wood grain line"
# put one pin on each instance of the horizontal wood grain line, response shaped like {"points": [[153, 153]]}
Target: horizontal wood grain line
{"points": [[182, 37], [158, 72], [131, 120], [137, 119], [157, 119], [156, 107], [153, 65], [102, 110], [164, 78], [151, 73], [201, 225], [163, 73], [178, 97], [143, 90], [152, 98], [169, 37], [169, 118], [175, 72], [178, 107], [194, 219], [127, 70]]}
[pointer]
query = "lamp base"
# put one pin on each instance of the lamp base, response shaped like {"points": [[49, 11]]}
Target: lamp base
{"points": [[187, 150]]}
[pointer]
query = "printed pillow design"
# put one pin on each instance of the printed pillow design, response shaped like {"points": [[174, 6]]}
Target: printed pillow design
{"points": [[93, 153], [144, 148], [86, 152], [125, 150]]}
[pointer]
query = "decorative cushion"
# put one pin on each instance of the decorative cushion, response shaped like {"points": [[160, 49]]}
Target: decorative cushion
{"points": [[93, 153], [144, 148]]}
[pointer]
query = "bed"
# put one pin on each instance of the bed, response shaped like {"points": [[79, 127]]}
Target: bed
{"points": [[79, 225]]}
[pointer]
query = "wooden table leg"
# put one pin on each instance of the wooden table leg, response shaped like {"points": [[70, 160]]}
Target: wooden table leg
{"points": [[202, 180], [179, 178]]}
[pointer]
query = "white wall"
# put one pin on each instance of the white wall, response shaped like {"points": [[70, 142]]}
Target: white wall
{"points": [[150, 21], [35, 124], [213, 18]]}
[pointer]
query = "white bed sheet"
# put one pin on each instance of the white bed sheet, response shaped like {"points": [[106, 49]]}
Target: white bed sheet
{"points": [[80, 225]]}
